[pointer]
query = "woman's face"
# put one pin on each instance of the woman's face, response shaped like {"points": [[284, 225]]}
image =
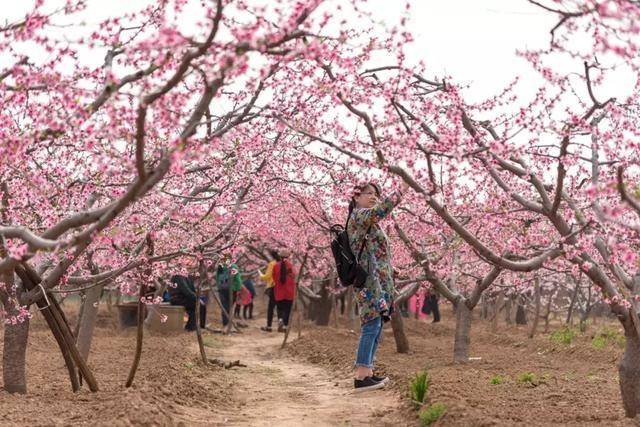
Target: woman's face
{"points": [[367, 198]]}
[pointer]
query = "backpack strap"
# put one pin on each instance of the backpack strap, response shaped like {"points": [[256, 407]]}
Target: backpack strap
{"points": [[364, 242]]}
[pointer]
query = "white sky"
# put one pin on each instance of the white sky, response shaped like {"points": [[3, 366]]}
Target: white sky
{"points": [[473, 41]]}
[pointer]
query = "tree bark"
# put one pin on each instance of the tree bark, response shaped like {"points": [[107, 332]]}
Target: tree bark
{"points": [[14, 350], [141, 314], [322, 307], [587, 311], [462, 337], [201, 279], [497, 306], [574, 297], [139, 337], [629, 371], [484, 310], [397, 325], [508, 305], [536, 314], [521, 314], [547, 316]]}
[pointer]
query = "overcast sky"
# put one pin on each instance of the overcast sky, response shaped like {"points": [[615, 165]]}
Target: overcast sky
{"points": [[473, 41]]}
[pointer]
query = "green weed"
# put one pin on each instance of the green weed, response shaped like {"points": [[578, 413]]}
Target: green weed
{"points": [[497, 380], [563, 336], [528, 378], [432, 414], [420, 386], [608, 337]]}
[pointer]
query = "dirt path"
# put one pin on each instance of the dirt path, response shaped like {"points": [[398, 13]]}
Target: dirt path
{"points": [[275, 389]]}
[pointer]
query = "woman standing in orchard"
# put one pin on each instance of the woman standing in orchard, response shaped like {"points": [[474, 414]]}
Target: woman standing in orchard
{"points": [[375, 298], [284, 289]]}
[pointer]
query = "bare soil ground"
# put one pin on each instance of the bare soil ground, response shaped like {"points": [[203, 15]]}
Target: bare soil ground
{"points": [[173, 387], [309, 383], [575, 384], [278, 390]]}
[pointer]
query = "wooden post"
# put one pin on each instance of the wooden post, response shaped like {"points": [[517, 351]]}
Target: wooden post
{"points": [[60, 329]]}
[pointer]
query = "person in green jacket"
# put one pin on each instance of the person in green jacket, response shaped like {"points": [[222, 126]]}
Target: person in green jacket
{"points": [[229, 282]]}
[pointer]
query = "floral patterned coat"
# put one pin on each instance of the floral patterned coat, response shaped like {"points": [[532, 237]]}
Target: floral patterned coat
{"points": [[376, 297]]}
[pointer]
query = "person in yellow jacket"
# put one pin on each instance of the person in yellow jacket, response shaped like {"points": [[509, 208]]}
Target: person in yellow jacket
{"points": [[267, 277]]}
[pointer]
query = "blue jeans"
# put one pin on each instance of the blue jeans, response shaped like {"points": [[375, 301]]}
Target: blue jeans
{"points": [[369, 338]]}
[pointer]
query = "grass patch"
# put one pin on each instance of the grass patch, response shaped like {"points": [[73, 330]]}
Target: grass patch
{"points": [[419, 387], [564, 336], [607, 337], [528, 378], [432, 414], [497, 380]]}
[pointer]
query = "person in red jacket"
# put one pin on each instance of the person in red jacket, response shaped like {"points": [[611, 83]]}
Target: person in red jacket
{"points": [[284, 289]]}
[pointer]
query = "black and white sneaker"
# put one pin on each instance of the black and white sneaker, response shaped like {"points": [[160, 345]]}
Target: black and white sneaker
{"points": [[366, 384], [380, 379]]}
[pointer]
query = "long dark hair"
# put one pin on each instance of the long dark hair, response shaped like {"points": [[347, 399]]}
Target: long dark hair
{"points": [[274, 254], [358, 189], [283, 270]]}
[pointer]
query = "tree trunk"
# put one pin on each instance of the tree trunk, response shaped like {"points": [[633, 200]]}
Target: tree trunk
{"points": [[484, 309], [15, 345], [199, 281], [462, 337], [547, 316], [521, 314], [397, 325], [139, 337], [508, 305], [574, 297], [322, 307], [587, 310], [536, 314], [496, 310], [13, 356], [629, 371]]}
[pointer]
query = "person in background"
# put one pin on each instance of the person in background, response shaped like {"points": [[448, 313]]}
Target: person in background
{"points": [[284, 289], [183, 293], [430, 305], [229, 283], [267, 277], [247, 300]]}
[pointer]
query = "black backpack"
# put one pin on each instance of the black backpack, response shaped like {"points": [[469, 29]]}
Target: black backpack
{"points": [[350, 272]]}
